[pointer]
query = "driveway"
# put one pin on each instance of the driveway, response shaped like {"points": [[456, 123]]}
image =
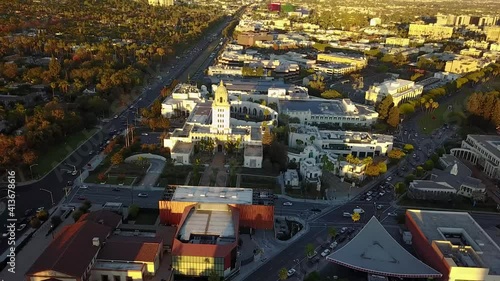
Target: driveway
{"points": [[154, 171]]}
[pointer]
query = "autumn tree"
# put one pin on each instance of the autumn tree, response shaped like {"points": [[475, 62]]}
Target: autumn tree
{"points": [[267, 136], [396, 154], [408, 147], [331, 94], [372, 170], [406, 108], [382, 167], [393, 118], [384, 107]]}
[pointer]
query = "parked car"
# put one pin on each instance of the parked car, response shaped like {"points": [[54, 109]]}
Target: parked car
{"points": [[291, 272], [116, 189], [325, 253], [392, 214], [287, 204], [343, 230], [142, 195], [369, 198], [347, 215], [333, 245], [379, 207], [358, 210], [84, 187], [369, 193]]}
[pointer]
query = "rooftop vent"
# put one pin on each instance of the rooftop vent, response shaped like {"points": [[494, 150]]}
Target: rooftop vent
{"points": [[95, 242], [190, 194]]}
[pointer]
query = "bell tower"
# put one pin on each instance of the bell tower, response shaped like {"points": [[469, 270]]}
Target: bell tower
{"points": [[221, 111]]}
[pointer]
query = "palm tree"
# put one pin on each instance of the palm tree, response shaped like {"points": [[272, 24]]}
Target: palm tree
{"points": [[283, 274]]}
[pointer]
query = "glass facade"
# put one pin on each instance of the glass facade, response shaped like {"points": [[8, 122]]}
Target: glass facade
{"points": [[197, 266]]}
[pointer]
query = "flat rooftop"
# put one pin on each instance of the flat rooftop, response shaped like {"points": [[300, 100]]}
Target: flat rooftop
{"points": [[319, 106], [120, 266], [444, 226], [213, 194], [254, 85], [253, 150], [208, 225], [183, 147]]}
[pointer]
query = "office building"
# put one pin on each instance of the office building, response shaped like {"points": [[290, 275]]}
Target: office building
{"points": [[209, 221], [431, 31], [454, 244], [400, 90], [335, 112]]}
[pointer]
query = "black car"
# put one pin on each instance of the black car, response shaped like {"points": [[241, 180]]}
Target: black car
{"points": [[116, 189], [316, 210]]}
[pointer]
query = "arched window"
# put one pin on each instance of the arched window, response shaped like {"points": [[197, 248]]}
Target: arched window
{"points": [[220, 100], [255, 112]]}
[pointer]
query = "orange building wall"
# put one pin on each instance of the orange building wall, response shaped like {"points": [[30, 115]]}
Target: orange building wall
{"points": [[425, 250], [255, 216]]}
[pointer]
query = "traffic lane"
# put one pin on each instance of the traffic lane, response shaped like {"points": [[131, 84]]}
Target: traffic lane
{"points": [[99, 196]]}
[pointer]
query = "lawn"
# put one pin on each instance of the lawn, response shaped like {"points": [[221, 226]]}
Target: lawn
{"points": [[147, 216], [126, 181], [443, 114], [256, 182], [56, 153], [175, 175]]}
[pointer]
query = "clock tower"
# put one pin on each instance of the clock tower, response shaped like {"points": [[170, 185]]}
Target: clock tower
{"points": [[221, 111]]}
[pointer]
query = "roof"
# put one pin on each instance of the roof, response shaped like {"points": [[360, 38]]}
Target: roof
{"points": [[73, 241], [183, 147], [213, 194], [323, 107], [217, 223], [436, 224], [105, 217], [131, 249], [489, 142], [253, 150], [375, 251]]}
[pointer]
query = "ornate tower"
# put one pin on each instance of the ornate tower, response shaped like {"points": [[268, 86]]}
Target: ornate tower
{"points": [[221, 111]]}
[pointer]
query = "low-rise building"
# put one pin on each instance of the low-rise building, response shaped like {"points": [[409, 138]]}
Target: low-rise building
{"points": [[492, 33], [225, 70], [430, 31], [471, 52], [291, 178], [250, 38], [337, 69], [454, 244], [182, 101], [397, 41], [400, 90], [334, 112], [359, 61], [455, 179]]}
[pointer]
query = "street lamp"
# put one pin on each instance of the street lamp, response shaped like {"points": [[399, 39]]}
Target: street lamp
{"points": [[51, 197], [31, 171]]}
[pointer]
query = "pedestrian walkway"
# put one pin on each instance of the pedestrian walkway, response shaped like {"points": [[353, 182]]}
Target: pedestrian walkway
{"points": [[217, 163]]}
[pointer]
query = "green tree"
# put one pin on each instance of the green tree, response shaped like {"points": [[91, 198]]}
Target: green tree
{"points": [[382, 167], [327, 164], [309, 250], [409, 178], [213, 276], [283, 274], [393, 118], [332, 232], [429, 165], [331, 94], [313, 276], [406, 108], [419, 171], [384, 107], [133, 211], [35, 222], [77, 215], [400, 188], [408, 147], [42, 215]]}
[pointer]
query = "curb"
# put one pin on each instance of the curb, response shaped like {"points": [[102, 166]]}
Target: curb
{"points": [[58, 164], [448, 210]]}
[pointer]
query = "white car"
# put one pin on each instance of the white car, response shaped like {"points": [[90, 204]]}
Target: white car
{"points": [[358, 210], [291, 272], [343, 230], [84, 187], [369, 193], [142, 195], [369, 198], [287, 204], [325, 253], [389, 179], [40, 209], [392, 214], [379, 207], [333, 245]]}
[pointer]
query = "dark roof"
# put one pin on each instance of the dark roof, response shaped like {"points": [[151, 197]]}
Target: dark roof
{"points": [[72, 250], [136, 248], [374, 250], [167, 233], [105, 217]]}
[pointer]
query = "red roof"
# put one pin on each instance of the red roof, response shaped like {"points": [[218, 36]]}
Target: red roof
{"points": [[139, 249], [72, 241]]}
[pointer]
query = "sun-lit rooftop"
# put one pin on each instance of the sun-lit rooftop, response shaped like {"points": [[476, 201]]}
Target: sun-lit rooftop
{"points": [[212, 194]]}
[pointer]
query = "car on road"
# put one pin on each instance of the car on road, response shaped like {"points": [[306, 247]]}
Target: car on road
{"points": [[389, 179], [82, 198], [142, 195], [343, 230], [369, 198], [291, 272], [358, 210], [414, 155], [325, 253], [347, 215], [40, 209], [287, 204], [379, 207], [333, 245], [74, 173], [116, 189], [392, 214], [84, 187], [21, 227], [115, 117], [381, 193], [144, 134]]}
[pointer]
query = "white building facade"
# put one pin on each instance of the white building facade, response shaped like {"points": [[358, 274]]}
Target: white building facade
{"points": [[400, 90]]}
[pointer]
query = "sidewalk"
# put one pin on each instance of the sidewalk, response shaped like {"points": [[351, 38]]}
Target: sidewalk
{"points": [[217, 163]]}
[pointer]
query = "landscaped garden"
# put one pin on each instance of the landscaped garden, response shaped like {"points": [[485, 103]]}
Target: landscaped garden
{"points": [[174, 174], [260, 182]]}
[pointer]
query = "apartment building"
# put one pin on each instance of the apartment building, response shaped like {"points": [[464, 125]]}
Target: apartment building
{"points": [[334, 112], [482, 150], [337, 69], [400, 90], [397, 41], [359, 61], [430, 31]]}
